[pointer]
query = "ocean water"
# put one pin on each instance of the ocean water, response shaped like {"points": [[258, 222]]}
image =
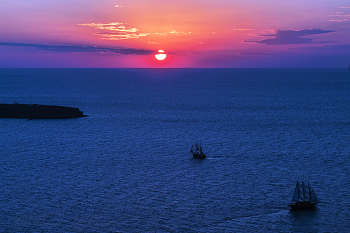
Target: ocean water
{"points": [[127, 167]]}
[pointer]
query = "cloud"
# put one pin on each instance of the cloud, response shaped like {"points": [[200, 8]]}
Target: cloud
{"points": [[244, 29], [293, 37], [117, 31], [113, 36], [341, 16], [81, 49], [339, 20], [114, 26]]}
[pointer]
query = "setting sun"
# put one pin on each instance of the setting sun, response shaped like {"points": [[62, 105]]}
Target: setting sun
{"points": [[160, 55]]}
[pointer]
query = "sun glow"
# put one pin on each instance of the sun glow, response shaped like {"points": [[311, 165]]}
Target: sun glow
{"points": [[160, 55]]}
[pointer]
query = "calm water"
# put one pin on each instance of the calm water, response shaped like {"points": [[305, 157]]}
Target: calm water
{"points": [[127, 167]]}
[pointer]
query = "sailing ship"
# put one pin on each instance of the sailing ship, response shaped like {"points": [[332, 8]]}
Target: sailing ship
{"points": [[304, 197], [197, 151]]}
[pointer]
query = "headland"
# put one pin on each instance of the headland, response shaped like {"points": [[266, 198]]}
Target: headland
{"points": [[36, 111]]}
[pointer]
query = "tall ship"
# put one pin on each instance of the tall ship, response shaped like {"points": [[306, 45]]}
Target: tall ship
{"points": [[304, 197], [197, 151]]}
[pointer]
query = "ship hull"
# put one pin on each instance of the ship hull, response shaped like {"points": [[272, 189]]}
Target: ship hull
{"points": [[199, 156], [303, 205]]}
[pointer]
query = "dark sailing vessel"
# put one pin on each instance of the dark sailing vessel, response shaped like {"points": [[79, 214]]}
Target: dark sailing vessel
{"points": [[197, 152], [304, 197]]}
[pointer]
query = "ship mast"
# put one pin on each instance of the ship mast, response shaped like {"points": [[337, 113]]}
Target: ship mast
{"points": [[296, 194], [303, 191]]}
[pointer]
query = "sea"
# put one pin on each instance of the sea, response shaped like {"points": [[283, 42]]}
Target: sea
{"points": [[127, 167]]}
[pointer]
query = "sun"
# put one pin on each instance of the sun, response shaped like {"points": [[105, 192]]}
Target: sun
{"points": [[160, 55]]}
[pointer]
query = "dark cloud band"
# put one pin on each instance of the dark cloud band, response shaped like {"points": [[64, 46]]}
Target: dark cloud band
{"points": [[81, 49], [293, 37]]}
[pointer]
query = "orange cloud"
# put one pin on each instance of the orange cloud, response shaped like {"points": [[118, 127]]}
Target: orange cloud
{"points": [[117, 31]]}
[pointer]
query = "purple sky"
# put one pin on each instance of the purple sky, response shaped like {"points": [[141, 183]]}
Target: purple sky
{"points": [[193, 33]]}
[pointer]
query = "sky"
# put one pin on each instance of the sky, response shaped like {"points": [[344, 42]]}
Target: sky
{"points": [[192, 33]]}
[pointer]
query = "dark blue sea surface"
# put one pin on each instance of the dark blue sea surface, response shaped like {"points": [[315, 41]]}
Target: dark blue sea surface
{"points": [[127, 167]]}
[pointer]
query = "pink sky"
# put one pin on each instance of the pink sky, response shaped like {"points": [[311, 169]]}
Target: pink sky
{"points": [[193, 33]]}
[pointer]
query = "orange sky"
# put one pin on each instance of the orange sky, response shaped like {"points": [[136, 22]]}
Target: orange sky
{"points": [[193, 33]]}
